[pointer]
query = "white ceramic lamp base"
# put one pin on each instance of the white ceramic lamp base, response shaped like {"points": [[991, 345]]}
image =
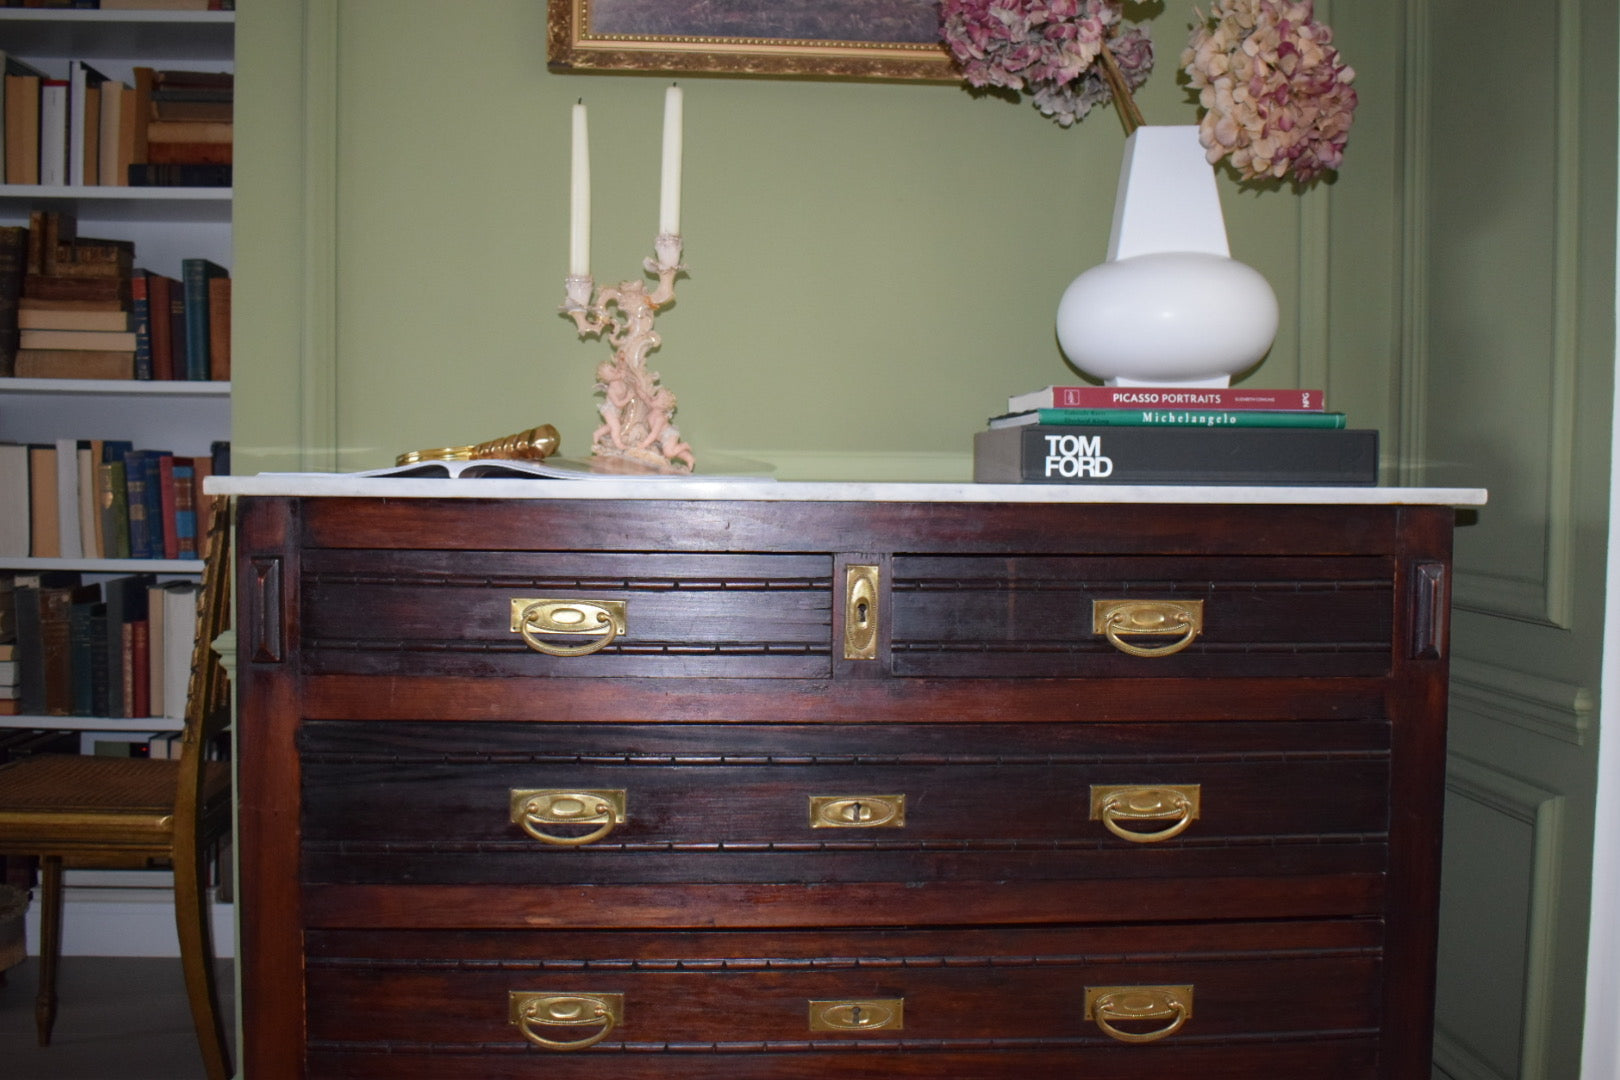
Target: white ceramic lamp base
{"points": [[1170, 307]]}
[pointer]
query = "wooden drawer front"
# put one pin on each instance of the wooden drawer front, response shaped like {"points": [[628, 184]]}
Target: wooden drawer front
{"points": [[1033, 616], [428, 803], [450, 613], [927, 994]]}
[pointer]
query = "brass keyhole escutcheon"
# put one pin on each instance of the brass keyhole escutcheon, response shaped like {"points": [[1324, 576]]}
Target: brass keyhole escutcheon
{"points": [[857, 811], [861, 612], [867, 1014]]}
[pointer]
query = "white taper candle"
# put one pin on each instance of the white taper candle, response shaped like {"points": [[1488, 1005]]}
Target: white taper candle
{"points": [[579, 219], [669, 201]]}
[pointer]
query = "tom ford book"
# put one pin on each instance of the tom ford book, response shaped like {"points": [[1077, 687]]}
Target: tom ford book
{"points": [[1049, 454]]}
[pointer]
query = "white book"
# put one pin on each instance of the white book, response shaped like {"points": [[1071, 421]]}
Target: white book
{"points": [[84, 122], [179, 634], [53, 132], [15, 532], [67, 499], [112, 111]]}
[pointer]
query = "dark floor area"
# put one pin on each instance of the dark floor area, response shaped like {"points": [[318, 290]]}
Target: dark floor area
{"points": [[117, 1019]]}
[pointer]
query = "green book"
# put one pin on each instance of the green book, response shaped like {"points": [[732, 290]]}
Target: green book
{"points": [[1212, 418]]}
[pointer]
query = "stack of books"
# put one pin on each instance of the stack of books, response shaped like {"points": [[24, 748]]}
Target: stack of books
{"points": [[72, 307], [78, 128], [1173, 435]]}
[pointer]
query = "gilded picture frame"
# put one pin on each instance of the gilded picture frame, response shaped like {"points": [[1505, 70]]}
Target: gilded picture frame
{"points": [[851, 39]]}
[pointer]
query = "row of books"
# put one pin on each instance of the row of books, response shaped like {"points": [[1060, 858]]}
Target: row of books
{"points": [[119, 648], [79, 308], [1173, 435], [103, 499], [128, 5], [78, 127]]}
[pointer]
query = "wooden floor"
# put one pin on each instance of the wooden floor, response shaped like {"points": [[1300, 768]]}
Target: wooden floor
{"points": [[117, 1019]]}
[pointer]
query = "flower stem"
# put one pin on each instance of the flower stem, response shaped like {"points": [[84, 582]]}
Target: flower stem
{"points": [[1129, 115]]}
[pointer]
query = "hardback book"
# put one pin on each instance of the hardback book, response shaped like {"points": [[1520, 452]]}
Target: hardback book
{"points": [[104, 316], [41, 603], [13, 267], [167, 106], [22, 126], [153, 174], [168, 506], [96, 340], [126, 605], [45, 541], [141, 316], [56, 606], [75, 364], [1164, 397], [157, 612], [187, 131], [163, 295], [219, 329], [15, 505], [89, 456], [69, 540], [84, 121], [189, 153], [179, 630], [1149, 416], [112, 500], [1046, 454], [140, 531], [53, 132], [64, 287], [111, 166], [82, 648], [185, 509], [195, 276]]}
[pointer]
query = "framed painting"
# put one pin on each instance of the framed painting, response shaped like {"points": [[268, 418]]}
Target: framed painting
{"points": [[857, 39]]}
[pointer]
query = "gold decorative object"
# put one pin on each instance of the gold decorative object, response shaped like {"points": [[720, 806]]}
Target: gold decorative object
{"points": [[535, 444], [533, 808], [1182, 619], [1115, 804], [1107, 1005], [872, 1014], [861, 612], [608, 619], [857, 811], [637, 410], [530, 1010]]}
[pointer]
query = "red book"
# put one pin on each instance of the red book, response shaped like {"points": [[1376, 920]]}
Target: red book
{"points": [[141, 670], [161, 292], [168, 497], [1166, 397]]}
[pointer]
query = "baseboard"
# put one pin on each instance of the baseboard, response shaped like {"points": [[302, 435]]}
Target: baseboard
{"points": [[126, 922]]}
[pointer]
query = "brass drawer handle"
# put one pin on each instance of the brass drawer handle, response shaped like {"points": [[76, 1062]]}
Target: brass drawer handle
{"points": [[1114, 804], [533, 808], [857, 811], [529, 1010], [871, 1014], [531, 616], [1182, 619], [1108, 1005]]}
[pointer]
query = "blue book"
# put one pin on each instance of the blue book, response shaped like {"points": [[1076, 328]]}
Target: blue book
{"points": [[194, 277], [185, 510], [141, 309], [155, 523], [140, 541]]}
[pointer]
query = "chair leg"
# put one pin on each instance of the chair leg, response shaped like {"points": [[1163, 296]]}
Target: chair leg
{"points": [[194, 922], [50, 944]]}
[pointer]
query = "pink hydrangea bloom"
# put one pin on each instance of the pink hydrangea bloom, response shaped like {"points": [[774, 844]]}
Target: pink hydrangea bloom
{"points": [[1275, 94], [1047, 48]]}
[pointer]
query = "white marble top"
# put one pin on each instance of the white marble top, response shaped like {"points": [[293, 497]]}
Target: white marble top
{"points": [[347, 485]]}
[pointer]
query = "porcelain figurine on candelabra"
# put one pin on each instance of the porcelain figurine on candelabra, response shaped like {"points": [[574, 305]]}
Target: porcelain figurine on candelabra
{"points": [[637, 409]]}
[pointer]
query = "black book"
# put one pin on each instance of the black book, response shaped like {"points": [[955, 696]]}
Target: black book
{"points": [[1054, 454], [31, 592]]}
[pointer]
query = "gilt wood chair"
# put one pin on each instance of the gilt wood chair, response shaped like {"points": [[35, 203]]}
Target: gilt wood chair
{"points": [[106, 812]]}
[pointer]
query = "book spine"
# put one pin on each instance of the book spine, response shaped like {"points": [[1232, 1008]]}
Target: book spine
{"points": [[13, 256], [81, 657], [135, 494], [1189, 418], [140, 302], [153, 174], [54, 632], [194, 275], [30, 649], [113, 499], [167, 501], [154, 504], [1165, 397], [1190, 456]]}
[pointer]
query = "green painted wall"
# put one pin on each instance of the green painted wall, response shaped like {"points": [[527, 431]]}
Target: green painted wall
{"points": [[873, 266]]}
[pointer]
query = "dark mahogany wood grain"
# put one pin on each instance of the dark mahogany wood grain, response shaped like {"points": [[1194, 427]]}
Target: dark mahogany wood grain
{"points": [[389, 905]]}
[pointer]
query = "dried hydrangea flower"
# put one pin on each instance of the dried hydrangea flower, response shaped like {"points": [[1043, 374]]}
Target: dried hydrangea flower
{"points": [[1275, 94], [1047, 48]]}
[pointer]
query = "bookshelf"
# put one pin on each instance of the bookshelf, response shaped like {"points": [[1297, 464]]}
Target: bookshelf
{"points": [[166, 225]]}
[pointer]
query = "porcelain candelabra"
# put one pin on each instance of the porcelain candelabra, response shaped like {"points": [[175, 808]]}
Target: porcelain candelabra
{"points": [[637, 409]]}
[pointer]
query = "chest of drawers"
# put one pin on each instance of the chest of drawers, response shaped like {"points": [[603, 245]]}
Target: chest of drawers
{"points": [[786, 787]]}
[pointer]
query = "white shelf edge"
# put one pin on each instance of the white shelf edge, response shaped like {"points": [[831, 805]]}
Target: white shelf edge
{"points": [[141, 724], [153, 387], [150, 566], [97, 191]]}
